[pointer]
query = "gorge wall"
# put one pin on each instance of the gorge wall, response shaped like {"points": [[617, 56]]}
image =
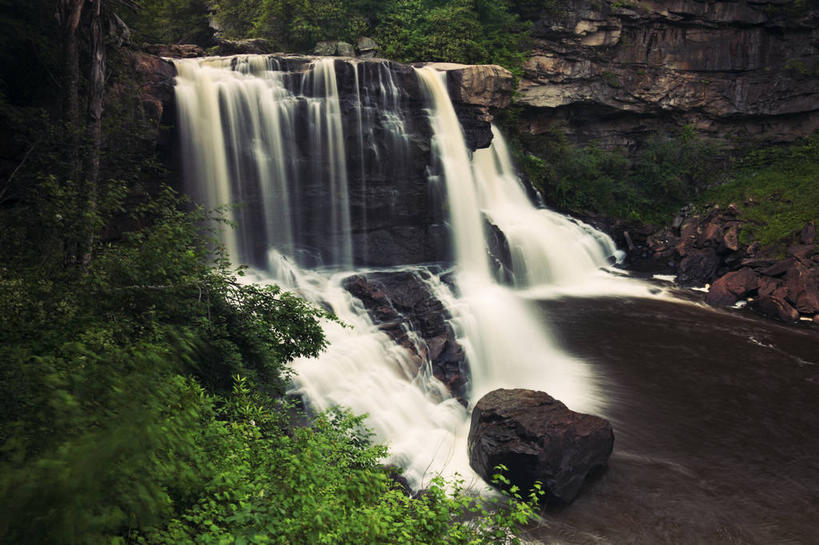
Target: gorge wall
{"points": [[615, 71]]}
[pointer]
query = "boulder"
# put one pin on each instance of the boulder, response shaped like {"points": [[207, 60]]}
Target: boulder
{"points": [[539, 439], [731, 287], [803, 289], [698, 267], [774, 306], [175, 51], [367, 47], [250, 46], [334, 49]]}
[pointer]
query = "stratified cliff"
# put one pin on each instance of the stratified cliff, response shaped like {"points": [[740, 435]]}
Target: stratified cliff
{"points": [[615, 71]]}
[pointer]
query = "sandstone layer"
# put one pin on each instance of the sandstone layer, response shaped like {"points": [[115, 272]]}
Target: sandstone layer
{"points": [[615, 71]]}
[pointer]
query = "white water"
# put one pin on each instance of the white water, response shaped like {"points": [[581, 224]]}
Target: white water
{"points": [[239, 130]]}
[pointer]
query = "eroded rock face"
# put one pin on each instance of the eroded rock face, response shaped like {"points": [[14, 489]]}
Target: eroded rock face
{"points": [[477, 91], [539, 439], [615, 71], [402, 304]]}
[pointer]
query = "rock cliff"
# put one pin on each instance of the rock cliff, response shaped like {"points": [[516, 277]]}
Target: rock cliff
{"points": [[394, 212], [614, 71]]}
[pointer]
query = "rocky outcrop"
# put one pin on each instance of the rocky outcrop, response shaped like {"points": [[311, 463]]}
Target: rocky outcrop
{"points": [[616, 71], [334, 49], [704, 249], [539, 439], [477, 91], [155, 84], [404, 307], [250, 46]]}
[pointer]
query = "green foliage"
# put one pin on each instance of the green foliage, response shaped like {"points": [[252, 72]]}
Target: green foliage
{"points": [[170, 21], [323, 484], [468, 31], [665, 174], [775, 188]]}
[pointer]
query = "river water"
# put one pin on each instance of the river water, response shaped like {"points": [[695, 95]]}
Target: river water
{"points": [[716, 419]]}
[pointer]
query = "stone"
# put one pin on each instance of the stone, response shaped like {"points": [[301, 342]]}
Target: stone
{"points": [[698, 267], [775, 306], [402, 301], [325, 49], [334, 49], [615, 76], [539, 439], [777, 269], [175, 51], [730, 240], [367, 47], [343, 49], [803, 289], [731, 287], [251, 46]]}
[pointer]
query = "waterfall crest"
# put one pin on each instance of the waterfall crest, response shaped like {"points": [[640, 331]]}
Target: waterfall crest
{"points": [[322, 152]]}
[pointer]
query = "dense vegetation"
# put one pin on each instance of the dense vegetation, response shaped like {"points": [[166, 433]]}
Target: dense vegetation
{"points": [[141, 380], [666, 173], [469, 31], [776, 189]]}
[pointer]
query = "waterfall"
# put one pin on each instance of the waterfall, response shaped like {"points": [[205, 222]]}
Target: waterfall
{"points": [[319, 172]]}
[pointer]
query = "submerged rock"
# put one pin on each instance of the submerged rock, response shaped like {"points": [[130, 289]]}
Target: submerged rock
{"points": [[539, 439]]}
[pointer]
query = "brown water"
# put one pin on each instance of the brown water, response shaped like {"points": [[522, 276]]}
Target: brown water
{"points": [[716, 419]]}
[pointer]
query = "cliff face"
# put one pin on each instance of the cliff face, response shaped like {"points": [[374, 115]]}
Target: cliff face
{"points": [[614, 71], [378, 184]]}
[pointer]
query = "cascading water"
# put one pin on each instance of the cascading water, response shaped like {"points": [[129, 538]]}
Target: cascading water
{"points": [[281, 137]]}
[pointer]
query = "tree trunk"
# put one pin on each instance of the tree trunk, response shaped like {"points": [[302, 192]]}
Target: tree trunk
{"points": [[96, 88], [69, 13]]}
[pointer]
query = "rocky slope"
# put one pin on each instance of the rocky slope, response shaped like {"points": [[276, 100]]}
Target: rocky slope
{"points": [[614, 71]]}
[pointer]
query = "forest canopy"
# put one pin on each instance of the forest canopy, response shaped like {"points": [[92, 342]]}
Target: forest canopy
{"points": [[468, 31]]}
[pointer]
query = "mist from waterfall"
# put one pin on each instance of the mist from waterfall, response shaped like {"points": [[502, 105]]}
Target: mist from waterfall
{"points": [[244, 139]]}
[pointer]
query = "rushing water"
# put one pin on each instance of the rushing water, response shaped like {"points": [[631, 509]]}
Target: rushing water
{"points": [[257, 132]]}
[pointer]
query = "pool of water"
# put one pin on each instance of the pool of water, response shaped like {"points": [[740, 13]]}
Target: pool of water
{"points": [[716, 419]]}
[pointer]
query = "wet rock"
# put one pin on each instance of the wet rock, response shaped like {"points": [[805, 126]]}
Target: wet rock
{"points": [[539, 439], [698, 267], [499, 253], [406, 309], [476, 92], [775, 306], [803, 289], [730, 288]]}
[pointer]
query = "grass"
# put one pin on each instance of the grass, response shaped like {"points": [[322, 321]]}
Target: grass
{"points": [[776, 189]]}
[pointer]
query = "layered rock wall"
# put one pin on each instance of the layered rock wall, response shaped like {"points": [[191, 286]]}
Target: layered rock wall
{"points": [[616, 71]]}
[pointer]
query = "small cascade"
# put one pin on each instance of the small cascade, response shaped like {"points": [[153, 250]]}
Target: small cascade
{"points": [[339, 167], [545, 247]]}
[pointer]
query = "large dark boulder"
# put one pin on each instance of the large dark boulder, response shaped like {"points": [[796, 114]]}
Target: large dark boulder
{"points": [[539, 439]]}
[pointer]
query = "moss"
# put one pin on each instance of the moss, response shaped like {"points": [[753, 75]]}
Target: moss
{"points": [[776, 189]]}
